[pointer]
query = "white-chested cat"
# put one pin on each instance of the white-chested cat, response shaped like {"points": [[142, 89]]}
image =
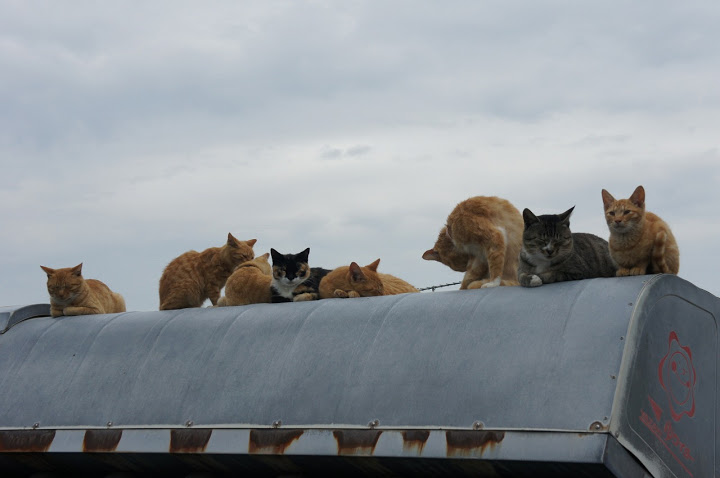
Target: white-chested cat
{"points": [[293, 278]]}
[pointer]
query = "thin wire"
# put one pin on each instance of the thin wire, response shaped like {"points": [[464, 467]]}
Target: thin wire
{"points": [[433, 287]]}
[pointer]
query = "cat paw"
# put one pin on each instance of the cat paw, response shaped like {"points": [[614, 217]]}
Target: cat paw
{"points": [[340, 294], [535, 281], [304, 297], [352, 294], [493, 283]]}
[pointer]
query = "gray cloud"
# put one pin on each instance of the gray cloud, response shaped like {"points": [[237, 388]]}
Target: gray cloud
{"points": [[131, 131]]}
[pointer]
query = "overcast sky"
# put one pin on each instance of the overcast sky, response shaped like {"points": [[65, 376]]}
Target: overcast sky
{"points": [[133, 131]]}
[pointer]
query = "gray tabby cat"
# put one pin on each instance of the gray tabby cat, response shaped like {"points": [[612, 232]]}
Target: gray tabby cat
{"points": [[551, 253]]}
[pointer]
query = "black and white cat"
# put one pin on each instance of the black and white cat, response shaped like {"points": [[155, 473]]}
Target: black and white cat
{"points": [[551, 253], [293, 279]]}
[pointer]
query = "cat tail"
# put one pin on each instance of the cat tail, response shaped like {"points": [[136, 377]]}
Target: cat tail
{"points": [[658, 253]]}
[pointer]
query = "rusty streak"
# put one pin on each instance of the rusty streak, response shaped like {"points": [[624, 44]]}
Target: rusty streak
{"points": [[101, 440], [271, 441], [471, 443], [189, 441], [356, 442], [414, 440], [26, 440]]}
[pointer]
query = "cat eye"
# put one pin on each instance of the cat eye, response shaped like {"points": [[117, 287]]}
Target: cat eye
{"points": [[626, 212], [612, 213]]}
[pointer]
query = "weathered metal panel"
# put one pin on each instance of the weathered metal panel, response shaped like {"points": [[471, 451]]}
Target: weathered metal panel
{"points": [[667, 404], [507, 357], [491, 382]]}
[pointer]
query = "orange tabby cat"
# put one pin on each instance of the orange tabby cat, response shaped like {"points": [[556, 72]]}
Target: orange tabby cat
{"points": [[249, 283], [444, 251], [70, 294], [489, 231], [640, 242], [356, 281], [194, 276]]}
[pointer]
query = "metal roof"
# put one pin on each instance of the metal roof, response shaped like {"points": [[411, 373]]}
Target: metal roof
{"points": [[508, 374]]}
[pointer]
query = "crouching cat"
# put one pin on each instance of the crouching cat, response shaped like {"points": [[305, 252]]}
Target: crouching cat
{"points": [[194, 276], [551, 253], [249, 283], [355, 281], [71, 294], [488, 231], [293, 280]]}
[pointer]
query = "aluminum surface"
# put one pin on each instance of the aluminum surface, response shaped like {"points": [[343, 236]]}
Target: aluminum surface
{"points": [[508, 357]]}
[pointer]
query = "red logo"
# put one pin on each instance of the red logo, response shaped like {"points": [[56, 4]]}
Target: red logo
{"points": [[677, 377]]}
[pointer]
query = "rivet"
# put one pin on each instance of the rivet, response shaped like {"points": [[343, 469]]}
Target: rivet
{"points": [[374, 423], [189, 423], [277, 423], [109, 424], [36, 424], [617, 434], [613, 377], [622, 338], [478, 425]]}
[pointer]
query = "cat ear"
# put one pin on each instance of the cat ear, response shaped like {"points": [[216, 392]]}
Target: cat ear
{"points": [[638, 197], [303, 256], [251, 242], [373, 265], [447, 232], [276, 256], [77, 270], [431, 255], [607, 199], [48, 271], [266, 255], [529, 217], [565, 217], [356, 274]]}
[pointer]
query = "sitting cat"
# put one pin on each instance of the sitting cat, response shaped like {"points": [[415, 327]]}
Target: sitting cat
{"points": [[356, 281], [249, 283], [640, 242], [551, 253], [70, 294], [489, 231], [293, 280], [444, 252], [194, 276]]}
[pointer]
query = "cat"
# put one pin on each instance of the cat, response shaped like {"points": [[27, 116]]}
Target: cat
{"points": [[356, 281], [249, 283], [640, 242], [444, 252], [488, 230], [194, 276], [551, 253], [293, 280], [71, 294]]}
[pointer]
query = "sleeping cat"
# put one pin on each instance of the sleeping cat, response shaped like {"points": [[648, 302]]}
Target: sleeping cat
{"points": [[640, 242], [551, 253], [293, 280], [194, 276], [356, 281], [488, 230], [444, 251], [71, 294], [249, 283]]}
